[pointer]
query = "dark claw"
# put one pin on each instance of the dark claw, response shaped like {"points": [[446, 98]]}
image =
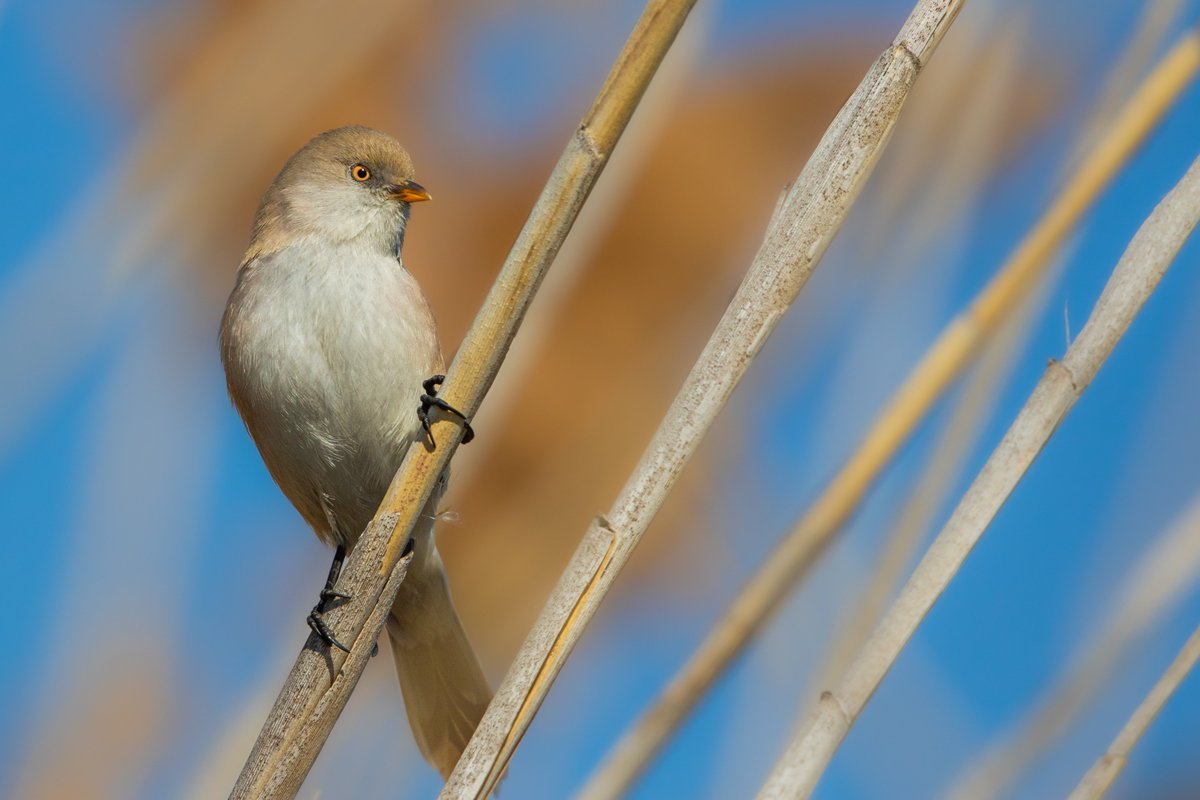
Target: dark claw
{"points": [[431, 400], [328, 594], [317, 623]]}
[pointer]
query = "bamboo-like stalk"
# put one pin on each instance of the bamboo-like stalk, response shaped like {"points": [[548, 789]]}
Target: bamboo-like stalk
{"points": [[955, 348], [805, 221], [323, 678], [1134, 279], [1167, 572], [1099, 779]]}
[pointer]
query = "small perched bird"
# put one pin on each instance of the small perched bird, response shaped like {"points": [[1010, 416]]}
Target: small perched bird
{"points": [[328, 342]]}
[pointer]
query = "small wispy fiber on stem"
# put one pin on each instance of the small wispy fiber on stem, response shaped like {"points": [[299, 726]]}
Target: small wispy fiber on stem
{"points": [[1134, 279]]}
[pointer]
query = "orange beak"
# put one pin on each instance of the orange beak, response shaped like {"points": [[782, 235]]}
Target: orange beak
{"points": [[409, 192]]}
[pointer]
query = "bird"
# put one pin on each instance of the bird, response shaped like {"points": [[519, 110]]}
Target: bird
{"points": [[332, 360]]}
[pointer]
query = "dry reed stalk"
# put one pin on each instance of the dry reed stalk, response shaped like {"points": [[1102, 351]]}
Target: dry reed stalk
{"points": [[805, 221], [323, 678], [1134, 279], [955, 348], [1099, 779], [1164, 574]]}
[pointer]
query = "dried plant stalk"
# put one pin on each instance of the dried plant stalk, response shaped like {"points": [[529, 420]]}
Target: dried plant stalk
{"points": [[1099, 779], [804, 223], [957, 346], [1164, 575], [1136, 276], [321, 680]]}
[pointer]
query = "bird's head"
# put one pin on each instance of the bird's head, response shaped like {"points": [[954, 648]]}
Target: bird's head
{"points": [[350, 183]]}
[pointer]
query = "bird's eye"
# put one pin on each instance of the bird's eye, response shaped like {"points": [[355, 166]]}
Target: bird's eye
{"points": [[360, 173]]}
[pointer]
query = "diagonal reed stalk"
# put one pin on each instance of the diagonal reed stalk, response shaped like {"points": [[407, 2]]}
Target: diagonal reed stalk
{"points": [[323, 678], [1134, 279], [1166, 573], [805, 221], [945, 361], [1099, 779]]}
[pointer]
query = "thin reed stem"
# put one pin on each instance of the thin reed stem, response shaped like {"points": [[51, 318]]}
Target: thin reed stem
{"points": [[1099, 779]]}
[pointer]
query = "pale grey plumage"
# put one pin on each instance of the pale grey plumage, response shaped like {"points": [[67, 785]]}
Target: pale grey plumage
{"points": [[326, 340]]}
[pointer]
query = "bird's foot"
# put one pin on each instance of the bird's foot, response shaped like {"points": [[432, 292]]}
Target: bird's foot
{"points": [[317, 622], [316, 618], [431, 400], [328, 595]]}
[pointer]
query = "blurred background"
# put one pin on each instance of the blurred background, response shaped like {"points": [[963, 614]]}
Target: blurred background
{"points": [[161, 581]]}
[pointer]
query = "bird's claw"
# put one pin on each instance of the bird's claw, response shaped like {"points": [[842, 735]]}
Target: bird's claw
{"points": [[321, 629], [431, 400], [328, 594], [316, 620]]}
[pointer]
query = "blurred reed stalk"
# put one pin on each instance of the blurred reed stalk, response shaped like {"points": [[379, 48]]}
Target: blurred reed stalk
{"points": [[954, 442], [322, 679], [942, 364], [1134, 279], [1148, 36], [1155, 586], [1099, 779], [804, 223]]}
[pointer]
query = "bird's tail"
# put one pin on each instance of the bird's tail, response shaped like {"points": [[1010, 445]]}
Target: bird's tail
{"points": [[445, 692]]}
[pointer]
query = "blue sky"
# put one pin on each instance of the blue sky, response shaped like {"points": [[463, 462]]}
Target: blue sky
{"points": [[1120, 469]]}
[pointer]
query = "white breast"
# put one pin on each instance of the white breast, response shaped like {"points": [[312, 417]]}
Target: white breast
{"points": [[325, 349]]}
